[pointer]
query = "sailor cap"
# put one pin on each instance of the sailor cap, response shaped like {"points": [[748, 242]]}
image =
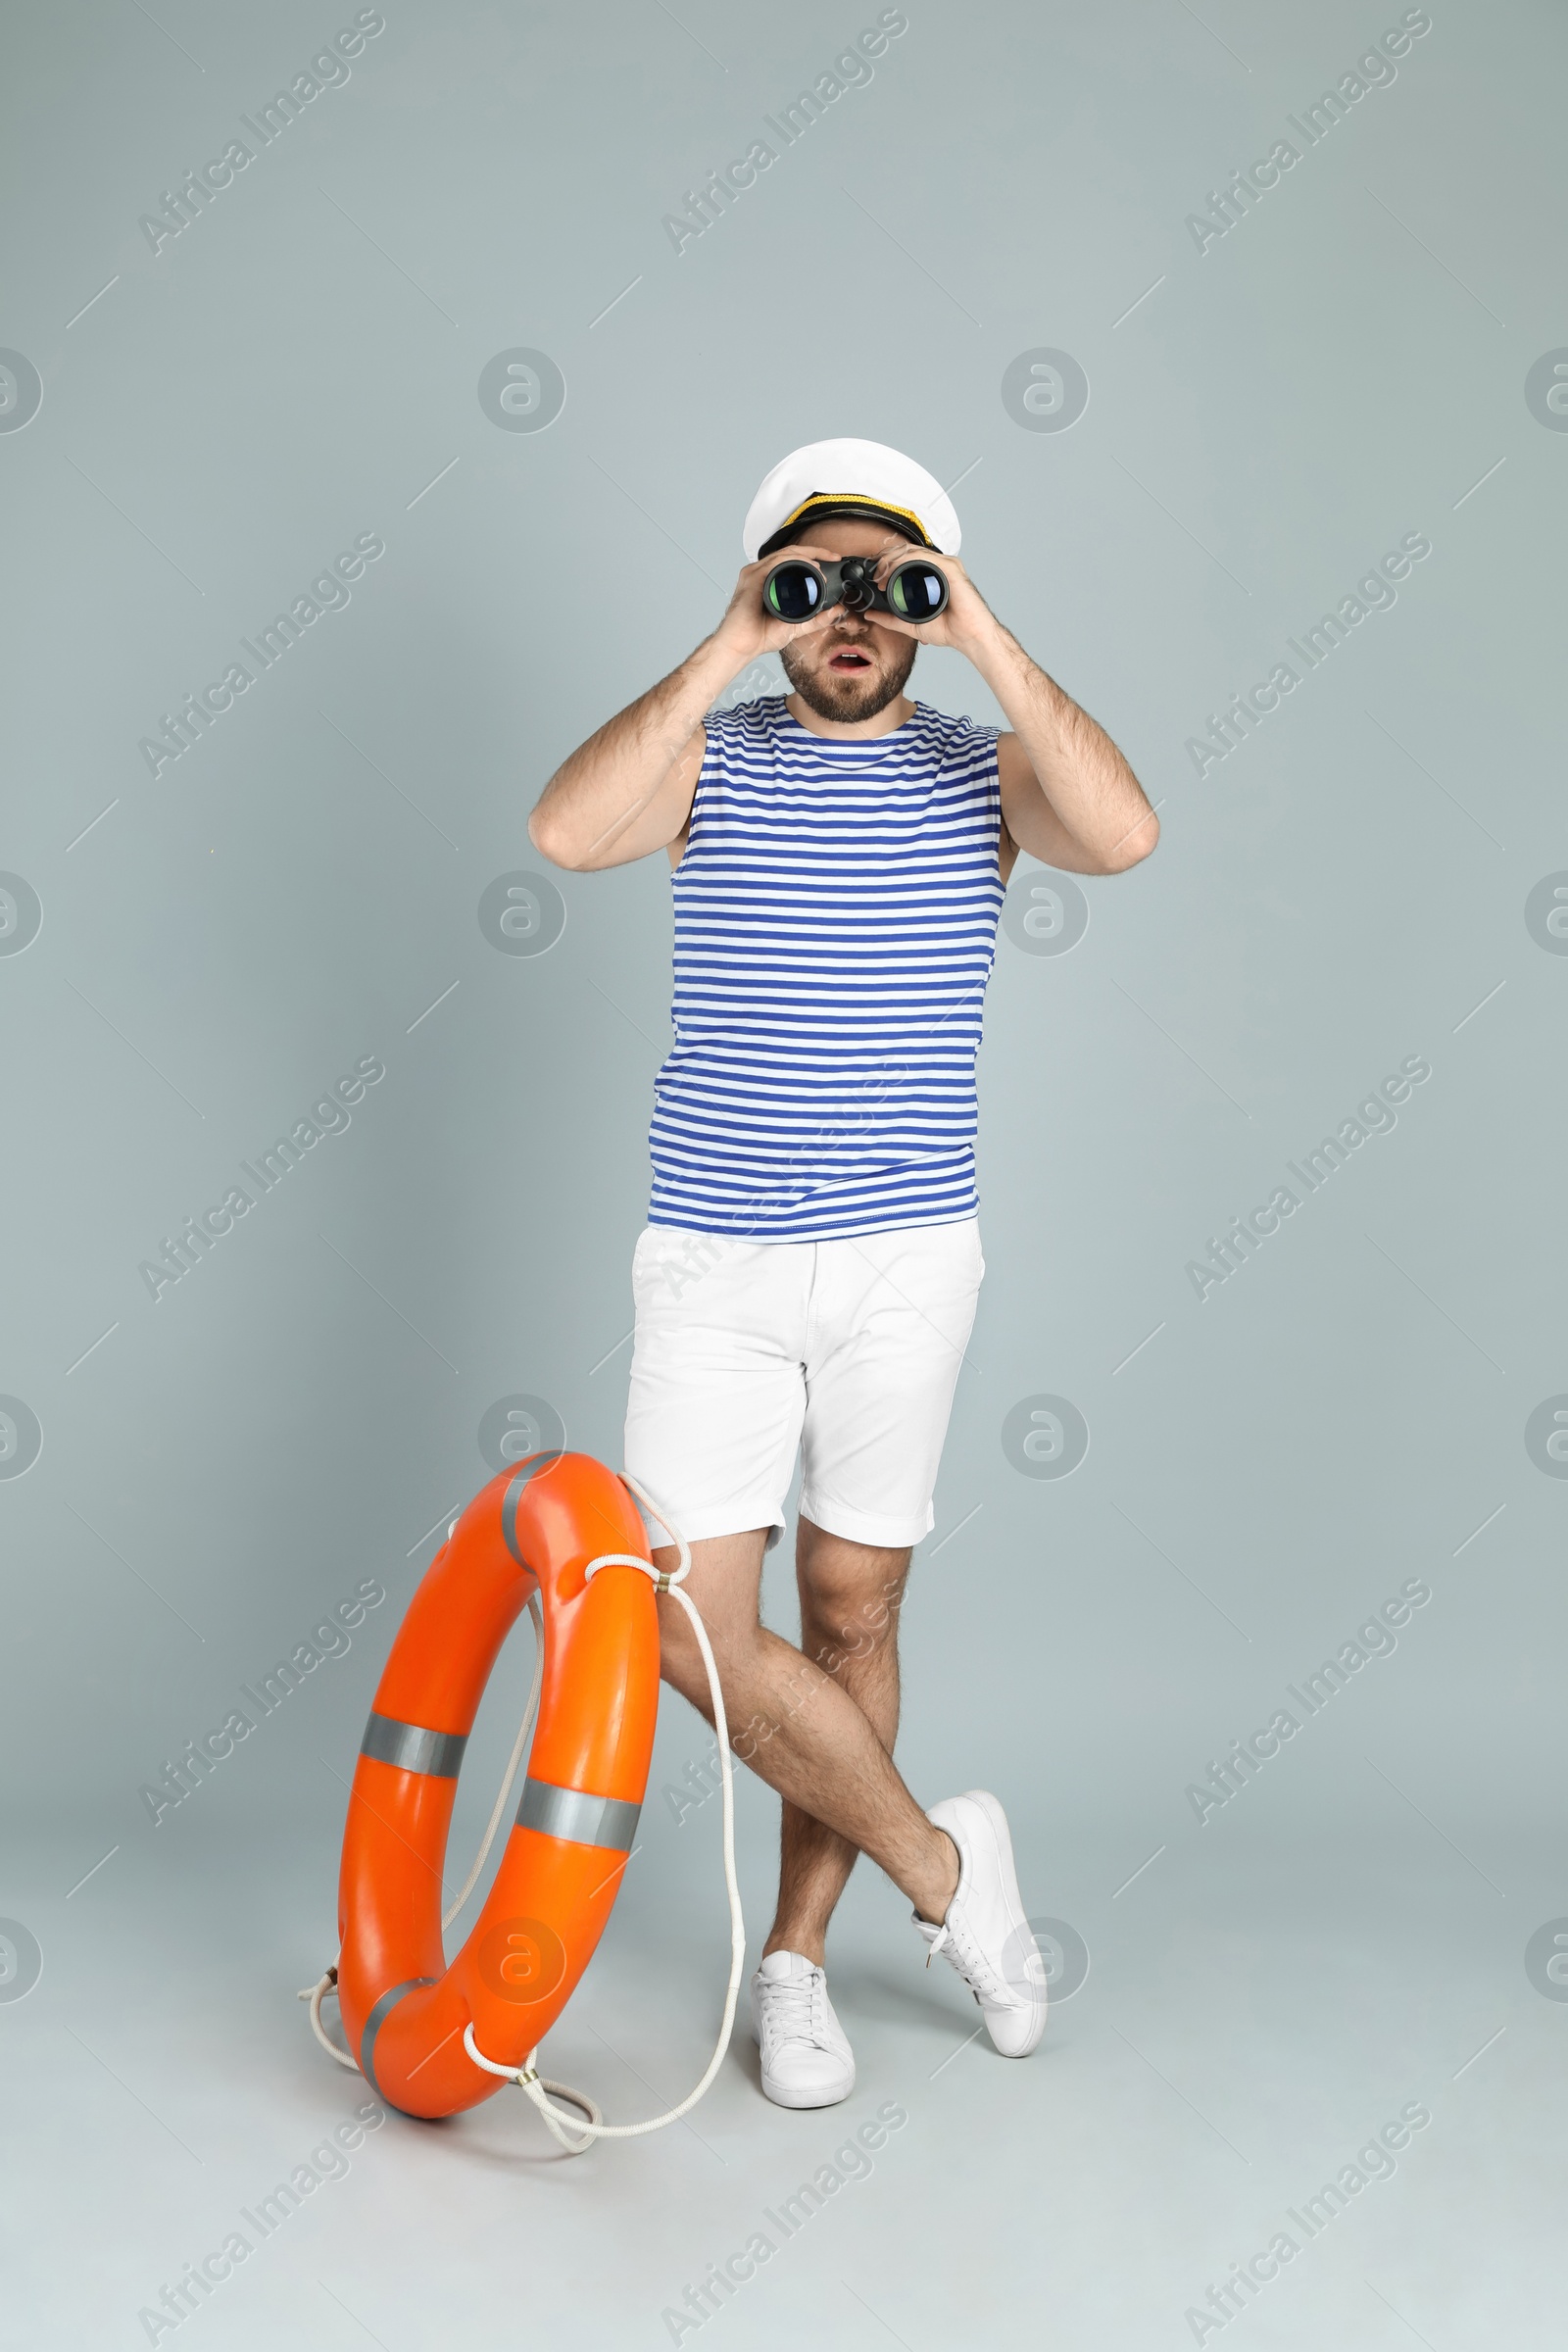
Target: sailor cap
{"points": [[828, 478]]}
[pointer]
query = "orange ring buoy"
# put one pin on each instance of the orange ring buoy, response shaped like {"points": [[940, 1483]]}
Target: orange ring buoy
{"points": [[404, 2008]]}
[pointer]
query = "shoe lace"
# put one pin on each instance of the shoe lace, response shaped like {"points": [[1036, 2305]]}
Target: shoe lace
{"points": [[791, 2007], [961, 1949]]}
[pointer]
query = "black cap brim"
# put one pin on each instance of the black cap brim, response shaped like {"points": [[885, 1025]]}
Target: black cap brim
{"points": [[854, 510]]}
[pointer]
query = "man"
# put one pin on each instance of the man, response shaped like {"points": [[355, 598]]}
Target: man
{"points": [[808, 1273]]}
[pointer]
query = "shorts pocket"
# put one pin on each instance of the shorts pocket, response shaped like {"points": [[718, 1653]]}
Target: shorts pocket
{"points": [[643, 1259]]}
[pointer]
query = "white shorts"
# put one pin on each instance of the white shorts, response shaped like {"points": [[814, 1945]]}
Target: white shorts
{"points": [[848, 1349]]}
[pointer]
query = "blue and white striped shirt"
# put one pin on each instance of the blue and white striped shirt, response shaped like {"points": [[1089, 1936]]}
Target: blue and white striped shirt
{"points": [[836, 914]]}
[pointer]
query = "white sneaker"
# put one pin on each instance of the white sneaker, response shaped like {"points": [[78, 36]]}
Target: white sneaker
{"points": [[985, 1934], [806, 2059]]}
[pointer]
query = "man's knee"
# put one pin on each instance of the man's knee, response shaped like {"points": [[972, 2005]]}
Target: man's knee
{"points": [[680, 1661], [680, 1658], [850, 1616], [681, 1665]]}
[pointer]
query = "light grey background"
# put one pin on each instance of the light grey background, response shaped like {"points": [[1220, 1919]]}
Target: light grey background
{"points": [[301, 889]]}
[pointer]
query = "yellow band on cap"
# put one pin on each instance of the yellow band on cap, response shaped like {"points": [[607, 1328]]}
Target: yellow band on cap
{"points": [[856, 498]]}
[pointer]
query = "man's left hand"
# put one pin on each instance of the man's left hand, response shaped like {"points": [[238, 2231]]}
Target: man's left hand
{"points": [[964, 620]]}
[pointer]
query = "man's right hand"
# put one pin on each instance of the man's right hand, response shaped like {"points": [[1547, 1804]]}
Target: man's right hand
{"points": [[747, 628]]}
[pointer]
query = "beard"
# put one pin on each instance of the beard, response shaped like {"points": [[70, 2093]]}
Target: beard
{"points": [[852, 695]]}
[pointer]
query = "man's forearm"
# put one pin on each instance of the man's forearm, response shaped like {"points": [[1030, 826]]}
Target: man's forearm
{"points": [[612, 779], [1079, 770]]}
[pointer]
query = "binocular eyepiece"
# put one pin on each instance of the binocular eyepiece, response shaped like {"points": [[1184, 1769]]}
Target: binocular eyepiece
{"points": [[796, 590]]}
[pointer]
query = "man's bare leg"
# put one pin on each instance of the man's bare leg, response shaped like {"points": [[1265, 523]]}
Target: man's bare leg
{"points": [[850, 1594], [794, 1724]]}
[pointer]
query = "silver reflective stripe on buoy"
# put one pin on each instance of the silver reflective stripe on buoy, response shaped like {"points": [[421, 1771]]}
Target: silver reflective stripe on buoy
{"points": [[373, 2027], [513, 1496], [606, 1821], [413, 1748]]}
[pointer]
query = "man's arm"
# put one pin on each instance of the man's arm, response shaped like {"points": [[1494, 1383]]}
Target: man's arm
{"points": [[1069, 796], [628, 789]]}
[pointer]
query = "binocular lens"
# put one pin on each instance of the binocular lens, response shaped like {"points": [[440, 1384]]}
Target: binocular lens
{"points": [[793, 591], [916, 592]]}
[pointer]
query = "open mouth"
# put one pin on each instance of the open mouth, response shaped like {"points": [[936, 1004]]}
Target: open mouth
{"points": [[846, 658]]}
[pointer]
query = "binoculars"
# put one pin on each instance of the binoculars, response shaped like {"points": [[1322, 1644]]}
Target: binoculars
{"points": [[796, 590]]}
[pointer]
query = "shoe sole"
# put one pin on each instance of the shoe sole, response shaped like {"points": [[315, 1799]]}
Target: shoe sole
{"points": [[800, 2098], [1001, 1843]]}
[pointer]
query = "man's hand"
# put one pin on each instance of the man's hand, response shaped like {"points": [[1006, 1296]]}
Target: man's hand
{"points": [[965, 621], [748, 626]]}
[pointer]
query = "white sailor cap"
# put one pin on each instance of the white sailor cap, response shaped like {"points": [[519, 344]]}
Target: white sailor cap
{"points": [[830, 478]]}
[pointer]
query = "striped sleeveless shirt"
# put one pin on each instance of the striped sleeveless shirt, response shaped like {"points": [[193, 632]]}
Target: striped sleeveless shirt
{"points": [[836, 914]]}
